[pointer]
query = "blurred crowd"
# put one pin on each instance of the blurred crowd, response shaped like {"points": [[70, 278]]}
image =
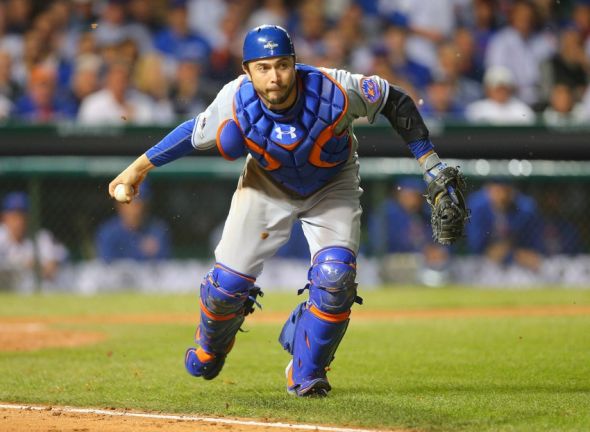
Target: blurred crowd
{"points": [[508, 229], [158, 61]]}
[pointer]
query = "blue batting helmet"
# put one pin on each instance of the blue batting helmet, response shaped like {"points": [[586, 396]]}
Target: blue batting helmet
{"points": [[267, 41]]}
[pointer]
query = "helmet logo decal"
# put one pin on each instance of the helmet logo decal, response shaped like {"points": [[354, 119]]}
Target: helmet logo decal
{"points": [[270, 45]]}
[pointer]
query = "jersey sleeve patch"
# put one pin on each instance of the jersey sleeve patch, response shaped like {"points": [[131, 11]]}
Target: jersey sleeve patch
{"points": [[370, 89]]}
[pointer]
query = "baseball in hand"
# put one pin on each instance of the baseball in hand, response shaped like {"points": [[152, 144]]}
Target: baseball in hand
{"points": [[121, 194]]}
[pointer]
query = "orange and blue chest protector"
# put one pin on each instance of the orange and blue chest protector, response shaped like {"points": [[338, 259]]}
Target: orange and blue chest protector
{"points": [[298, 147]]}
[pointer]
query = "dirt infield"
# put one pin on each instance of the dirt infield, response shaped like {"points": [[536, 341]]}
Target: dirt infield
{"points": [[30, 336], [53, 419]]}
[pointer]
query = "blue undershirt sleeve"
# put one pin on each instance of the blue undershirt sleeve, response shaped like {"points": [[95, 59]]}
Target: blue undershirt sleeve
{"points": [[174, 145], [420, 147]]}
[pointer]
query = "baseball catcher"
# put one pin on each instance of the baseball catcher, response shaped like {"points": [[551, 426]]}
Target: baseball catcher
{"points": [[293, 122]]}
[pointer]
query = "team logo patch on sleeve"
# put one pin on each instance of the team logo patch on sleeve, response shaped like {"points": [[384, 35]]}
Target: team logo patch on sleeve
{"points": [[370, 89]]}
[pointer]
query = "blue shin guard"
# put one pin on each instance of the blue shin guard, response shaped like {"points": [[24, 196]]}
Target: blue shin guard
{"points": [[225, 300], [315, 328]]}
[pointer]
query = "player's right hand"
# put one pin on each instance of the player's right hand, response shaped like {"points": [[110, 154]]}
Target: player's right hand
{"points": [[132, 176]]}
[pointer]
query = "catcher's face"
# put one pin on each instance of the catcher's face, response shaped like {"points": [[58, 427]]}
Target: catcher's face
{"points": [[274, 81]]}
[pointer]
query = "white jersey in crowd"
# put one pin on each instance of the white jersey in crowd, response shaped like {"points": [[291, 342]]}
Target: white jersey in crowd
{"points": [[512, 112], [101, 108], [21, 256]]}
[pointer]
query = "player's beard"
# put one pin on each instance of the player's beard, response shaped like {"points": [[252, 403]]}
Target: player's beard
{"points": [[281, 98]]}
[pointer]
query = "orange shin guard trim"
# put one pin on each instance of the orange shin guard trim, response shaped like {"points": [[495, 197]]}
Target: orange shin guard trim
{"points": [[215, 317], [203, 355], [329, 317]]}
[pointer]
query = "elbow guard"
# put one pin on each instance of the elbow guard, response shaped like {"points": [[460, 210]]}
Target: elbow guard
{"points": [[230, 142], [403, 115]]}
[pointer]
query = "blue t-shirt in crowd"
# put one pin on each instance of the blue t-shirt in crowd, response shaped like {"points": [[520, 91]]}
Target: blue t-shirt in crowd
{"points": [[61, 109], [182, 46], [114, 241], [521, 225], [393, 229]]}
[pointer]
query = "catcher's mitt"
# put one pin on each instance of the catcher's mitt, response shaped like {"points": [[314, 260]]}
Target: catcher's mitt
{"points": [[445, 195]]}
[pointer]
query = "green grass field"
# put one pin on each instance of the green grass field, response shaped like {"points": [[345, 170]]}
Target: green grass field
{"points": [[471, 373]]}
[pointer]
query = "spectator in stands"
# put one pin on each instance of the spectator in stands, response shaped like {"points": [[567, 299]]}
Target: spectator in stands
{"points": [[21, 253], [560, 236], [402, 225], [144, 12], [9, 42], [86, 79], [188, 97], [41, 104], [521, 49], [483, 27], [352, 34], [270, 11], [86, 45], [580, 20], [176, 40], [113, 27], [465, 90], [8, 86], [81, 23], [393, 49], [569, 66], [5, 107], [563, 111], [333, 51], [430, 22], [9, 89], [505, 225], [205, 18], [500, 107], [226, 59], [151, 80], [440, 103], [133, 234], [308, 33], [117, 103], [35, 52], [18, 14]]}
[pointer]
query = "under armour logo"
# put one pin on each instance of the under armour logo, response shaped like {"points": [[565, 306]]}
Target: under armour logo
{"points": [[270, 45], [331, 271], [290, 132]]}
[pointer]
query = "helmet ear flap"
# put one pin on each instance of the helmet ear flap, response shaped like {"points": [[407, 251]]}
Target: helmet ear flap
{"points": [[267, 41]]}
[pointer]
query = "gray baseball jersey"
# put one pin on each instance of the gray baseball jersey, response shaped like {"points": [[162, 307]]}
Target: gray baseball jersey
{"points": [[262, 212]]}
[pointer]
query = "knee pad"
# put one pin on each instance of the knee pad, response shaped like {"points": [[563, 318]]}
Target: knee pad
{"points": [[224, 291], [332, 286], [224, 295]]}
